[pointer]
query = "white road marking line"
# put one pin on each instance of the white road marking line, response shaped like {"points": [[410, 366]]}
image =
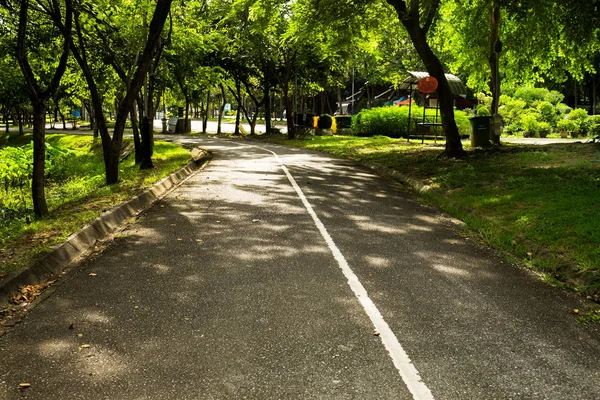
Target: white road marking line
{"points": [[401, 361]]}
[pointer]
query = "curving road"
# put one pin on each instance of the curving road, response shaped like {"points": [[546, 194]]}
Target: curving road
{"points": [[279, 273]]}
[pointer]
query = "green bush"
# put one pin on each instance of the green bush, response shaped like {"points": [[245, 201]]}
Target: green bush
{"points": [[386, 121], [512, 128], [554, 97], [482, 110], [529, 123], [511, 110], [462, 122], [579, 116], [566, 125], [325, 121], [594, 125], [531, 95], [547, 112], [563, 109]]}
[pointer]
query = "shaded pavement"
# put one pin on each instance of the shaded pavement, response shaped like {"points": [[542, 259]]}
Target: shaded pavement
{"points": [[241, 285]]}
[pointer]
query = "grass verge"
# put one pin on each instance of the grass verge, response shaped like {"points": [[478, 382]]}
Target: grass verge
{"points": [[538, 204], [76, 195]]}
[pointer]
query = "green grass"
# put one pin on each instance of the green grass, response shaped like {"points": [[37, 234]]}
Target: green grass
{"points": [[76, 194], [539, 204]]}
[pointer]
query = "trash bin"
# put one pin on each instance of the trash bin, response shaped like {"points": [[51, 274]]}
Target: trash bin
{"points": [[480, 131]]}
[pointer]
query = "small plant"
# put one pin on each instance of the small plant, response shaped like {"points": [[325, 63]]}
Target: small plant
{"points": [[593, 123], [566, 127], [530, 124], [544, 129], [547, 112], [579, 116], [325, 121], [482, 110]]}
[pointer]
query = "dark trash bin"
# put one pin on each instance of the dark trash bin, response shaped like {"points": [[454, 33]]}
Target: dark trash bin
{"points": [[480, 131]]}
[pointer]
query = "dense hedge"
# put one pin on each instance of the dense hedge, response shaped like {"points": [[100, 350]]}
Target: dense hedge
{"points": [[393, 121]]}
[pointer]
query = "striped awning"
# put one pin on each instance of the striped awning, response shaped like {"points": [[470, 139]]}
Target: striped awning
{"points": [[456, 86]]}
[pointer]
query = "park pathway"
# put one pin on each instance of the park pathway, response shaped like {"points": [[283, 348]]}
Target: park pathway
{"points": [[278, 273]]}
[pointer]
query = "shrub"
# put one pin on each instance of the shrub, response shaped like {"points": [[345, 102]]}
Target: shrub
{"points": [[529, 122], [325, 121], [566, 125], [512, 128], [544, 128], [482, 110], [554, 97], [563, 109], [579, 116], [511, 111], [462, 122], [387, 121], [594, 125], [531, 94], [547, 112]]}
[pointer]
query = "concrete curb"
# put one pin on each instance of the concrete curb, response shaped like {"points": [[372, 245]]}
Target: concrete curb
{"points": [[79, 243], [382, 170]]}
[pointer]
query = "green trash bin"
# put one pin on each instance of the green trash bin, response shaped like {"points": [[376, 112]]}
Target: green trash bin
{"points": [[480, 131]]}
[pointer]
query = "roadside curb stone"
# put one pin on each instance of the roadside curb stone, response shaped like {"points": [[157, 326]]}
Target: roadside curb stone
{"points": [[79, 243]]}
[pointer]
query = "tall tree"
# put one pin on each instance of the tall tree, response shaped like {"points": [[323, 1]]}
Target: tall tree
{"points": [[418, 17], [40, 92]]}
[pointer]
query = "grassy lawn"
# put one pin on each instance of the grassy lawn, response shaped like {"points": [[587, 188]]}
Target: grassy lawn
{"points": [[76, 195], [538, 204]]}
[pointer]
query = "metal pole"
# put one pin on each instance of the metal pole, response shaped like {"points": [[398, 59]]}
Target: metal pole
{"points": [[409, 111]]}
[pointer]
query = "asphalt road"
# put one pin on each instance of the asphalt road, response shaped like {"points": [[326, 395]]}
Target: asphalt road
{"points": [[278, 273]]}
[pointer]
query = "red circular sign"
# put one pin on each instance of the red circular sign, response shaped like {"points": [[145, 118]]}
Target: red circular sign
{"points": [[427, 85]]}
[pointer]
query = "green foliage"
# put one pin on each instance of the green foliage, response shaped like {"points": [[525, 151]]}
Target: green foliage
{"points": [[511, 109], [15, 173], [566, 125], [554, 97], [386, 121], [482, 110], [325, 121], [529, 122], [531, 95], [462, 122], [579, 117], [547, 112], [594, 125]]}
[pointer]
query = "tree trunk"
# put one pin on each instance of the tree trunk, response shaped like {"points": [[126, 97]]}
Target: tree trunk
{"points": [[494, 63], [445, 97], [137, 143], [20, 117], [205, 116], [40, 208], [267, 103], [239, 108], [222, 109]]}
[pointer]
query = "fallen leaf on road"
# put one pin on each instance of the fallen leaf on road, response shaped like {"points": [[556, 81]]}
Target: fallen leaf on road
{"points": [[93, 274], [186, 318], [85, 346], [576, 311]]}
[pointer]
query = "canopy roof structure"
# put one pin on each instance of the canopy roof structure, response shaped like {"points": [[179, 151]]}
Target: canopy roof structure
{"points": [[456, 86]]}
